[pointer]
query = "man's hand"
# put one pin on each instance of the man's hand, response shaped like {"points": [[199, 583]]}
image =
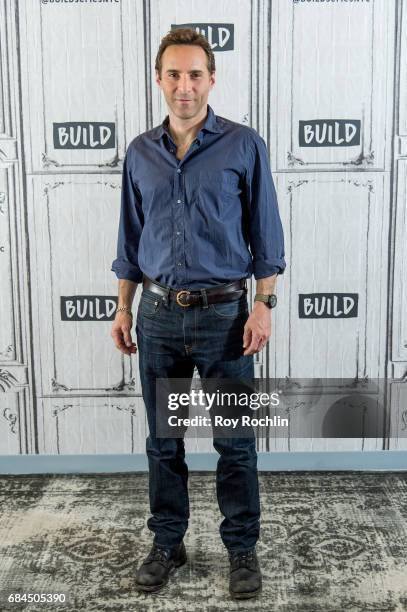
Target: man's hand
{"points": [[121, 333], [257, 329]]}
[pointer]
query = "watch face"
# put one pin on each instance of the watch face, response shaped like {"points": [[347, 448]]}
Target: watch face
{"points": [[272, 301]]}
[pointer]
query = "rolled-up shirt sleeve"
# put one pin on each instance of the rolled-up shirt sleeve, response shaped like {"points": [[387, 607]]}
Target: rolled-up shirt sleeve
{"points": [[131, 223], [266, 235]]}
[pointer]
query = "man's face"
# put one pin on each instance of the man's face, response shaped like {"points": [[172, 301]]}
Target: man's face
{"points": [[185, 80]]}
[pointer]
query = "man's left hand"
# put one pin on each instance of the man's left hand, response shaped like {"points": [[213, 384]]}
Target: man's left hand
{"points": [[257, 329]]}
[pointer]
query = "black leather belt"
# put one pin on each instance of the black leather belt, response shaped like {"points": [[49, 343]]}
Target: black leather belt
{"points": [[184, 297]]}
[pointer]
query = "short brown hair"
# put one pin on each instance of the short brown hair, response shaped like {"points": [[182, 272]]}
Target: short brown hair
{"points": [[185, 36]]}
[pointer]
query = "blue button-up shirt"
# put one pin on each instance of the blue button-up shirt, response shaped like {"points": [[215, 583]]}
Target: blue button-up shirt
{"points": [[207, 219]]}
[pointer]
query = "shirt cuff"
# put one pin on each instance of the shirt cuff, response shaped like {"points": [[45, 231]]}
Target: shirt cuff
{"points": [[263, 269], [127, 271]]}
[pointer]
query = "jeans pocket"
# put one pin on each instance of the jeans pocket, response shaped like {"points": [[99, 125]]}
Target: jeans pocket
{"points": [[230, 310], [149, 306]]}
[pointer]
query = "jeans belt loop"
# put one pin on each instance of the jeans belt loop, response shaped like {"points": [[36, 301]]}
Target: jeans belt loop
{"points": [[204, 298], [166, 297]]}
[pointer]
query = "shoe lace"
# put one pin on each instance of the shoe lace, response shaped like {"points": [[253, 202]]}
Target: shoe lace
{"points": [[246, 559], [159, 554]]}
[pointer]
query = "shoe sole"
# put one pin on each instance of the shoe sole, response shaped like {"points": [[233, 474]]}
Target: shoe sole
{"points": [[247, 595], [157, 587]]}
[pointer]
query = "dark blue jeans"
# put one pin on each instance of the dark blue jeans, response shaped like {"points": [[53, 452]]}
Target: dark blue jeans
{"points": [[171, 341]]}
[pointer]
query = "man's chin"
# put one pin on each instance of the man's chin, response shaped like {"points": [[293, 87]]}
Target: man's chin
{"points": [[184, 113]]}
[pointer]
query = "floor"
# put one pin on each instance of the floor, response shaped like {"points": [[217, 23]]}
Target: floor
{"points": [[330, 542]]}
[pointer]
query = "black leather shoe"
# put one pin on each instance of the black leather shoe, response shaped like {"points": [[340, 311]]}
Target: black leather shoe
{"points": [[153, 573], [245, 576]]}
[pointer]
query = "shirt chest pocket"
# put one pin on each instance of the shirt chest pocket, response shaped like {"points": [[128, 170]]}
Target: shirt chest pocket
{"points": [[218, 185]]}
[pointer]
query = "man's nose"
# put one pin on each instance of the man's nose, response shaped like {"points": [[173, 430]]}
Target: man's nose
{"points": [[184, 85]]}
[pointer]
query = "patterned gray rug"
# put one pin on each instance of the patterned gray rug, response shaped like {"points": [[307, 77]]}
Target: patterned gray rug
{"points": [[330, 542]]}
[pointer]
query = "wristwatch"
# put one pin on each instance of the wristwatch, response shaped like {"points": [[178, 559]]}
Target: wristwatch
{"points": [[269, 300]]}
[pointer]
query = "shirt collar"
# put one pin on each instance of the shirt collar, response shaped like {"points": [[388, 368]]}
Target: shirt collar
{"points": [[211, 125]]}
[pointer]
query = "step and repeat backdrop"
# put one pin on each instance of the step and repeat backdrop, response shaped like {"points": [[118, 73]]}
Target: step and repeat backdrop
{"points": [[325, 85]]}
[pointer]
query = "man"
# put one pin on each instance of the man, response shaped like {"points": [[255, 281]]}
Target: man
{"points": [[197, 193]]}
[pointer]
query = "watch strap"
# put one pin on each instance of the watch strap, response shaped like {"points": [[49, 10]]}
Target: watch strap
{"points": [[269, 299]]}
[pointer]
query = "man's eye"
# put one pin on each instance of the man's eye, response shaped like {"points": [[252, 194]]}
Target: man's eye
{"points": [[195, 76]]}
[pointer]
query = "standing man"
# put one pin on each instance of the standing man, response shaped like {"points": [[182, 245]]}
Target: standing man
{"points": [[197, 193]]}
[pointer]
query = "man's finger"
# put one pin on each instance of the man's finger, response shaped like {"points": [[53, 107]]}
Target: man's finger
{"points": [[253, 345], [262, 344], [126, 336], [117, 339], [247, 336], [121, 345]]}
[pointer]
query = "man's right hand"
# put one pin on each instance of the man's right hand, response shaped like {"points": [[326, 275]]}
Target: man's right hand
{"points": [[121, 333]]}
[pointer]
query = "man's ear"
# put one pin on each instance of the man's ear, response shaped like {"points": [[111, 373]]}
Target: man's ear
{"points": [[157, 78]]}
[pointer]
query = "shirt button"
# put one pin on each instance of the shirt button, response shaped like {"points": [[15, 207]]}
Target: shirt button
{"points": [[171, 150], [179, 263], [178, 233], [178, 201], [179, 170]]}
